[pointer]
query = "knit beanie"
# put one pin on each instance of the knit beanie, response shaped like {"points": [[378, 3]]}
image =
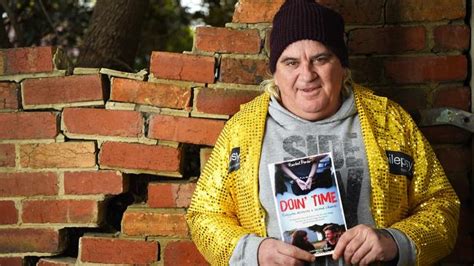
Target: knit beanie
{"points": [[307, 20]]}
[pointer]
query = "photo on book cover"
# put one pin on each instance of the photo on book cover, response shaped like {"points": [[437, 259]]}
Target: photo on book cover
{"points": [[308, 203]]}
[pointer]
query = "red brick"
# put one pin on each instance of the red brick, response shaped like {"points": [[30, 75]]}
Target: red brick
{"points": [[455, 158], [117, 251], [26, 60], [28, 184], [58, 155], [182, 252], [60, 211], [457, 97], [64, 261], [31, 125], [11, 261], [62, 90], [8, 96], [7, 155], [254, 11], [222, 101], [183, 129], [140, 156], [226, 40], [91, 121], [94, 182], [426, 68], [421, 10], [446, 134], [170, 195], [243, 71], [32, 240], [451, 37], [187, 67], [9, 212], [152, 222], [155, 94], [367, 70], [386, 40], [357, 12], [411, 100]]}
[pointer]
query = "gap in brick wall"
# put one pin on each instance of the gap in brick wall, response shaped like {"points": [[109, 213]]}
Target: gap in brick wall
{"points": [[467, 19], [117, 205], [73, 236], [30, 261], [191, 161], [469, 53], [138, 188], [105, 87], [71, 248]]}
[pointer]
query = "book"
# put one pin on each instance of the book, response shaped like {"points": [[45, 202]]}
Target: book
{"points": [[308, 203]]}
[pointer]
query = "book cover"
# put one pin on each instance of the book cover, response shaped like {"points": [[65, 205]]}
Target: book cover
{"points": [[308, 203]]}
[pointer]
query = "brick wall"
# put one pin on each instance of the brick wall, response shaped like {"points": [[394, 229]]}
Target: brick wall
{"points": [[98, 166]]}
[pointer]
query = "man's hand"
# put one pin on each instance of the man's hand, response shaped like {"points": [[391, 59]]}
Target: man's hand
{"points": [[276, 252], [309, 182], [301, 184], [363, 245]]}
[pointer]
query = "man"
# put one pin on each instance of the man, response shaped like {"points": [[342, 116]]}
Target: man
{"points": [[331, 237], [397, 213]]}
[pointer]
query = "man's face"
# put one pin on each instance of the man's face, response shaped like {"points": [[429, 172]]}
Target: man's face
{"points": [[329, 234], [309, 77]]}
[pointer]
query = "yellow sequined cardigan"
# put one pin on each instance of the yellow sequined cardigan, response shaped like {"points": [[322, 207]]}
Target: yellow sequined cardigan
{"points": [[225, 206]]}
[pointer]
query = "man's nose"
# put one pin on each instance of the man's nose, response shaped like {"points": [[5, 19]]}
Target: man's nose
{"points": [[308, 73]]}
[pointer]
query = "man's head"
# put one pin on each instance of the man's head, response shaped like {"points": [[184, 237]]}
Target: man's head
{"points": [[300, 234], [329, 233], [308, 59], [307, 20]]}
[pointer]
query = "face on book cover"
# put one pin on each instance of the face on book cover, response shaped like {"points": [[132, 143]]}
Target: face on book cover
{"points": [[329, 235], [309, 77]]}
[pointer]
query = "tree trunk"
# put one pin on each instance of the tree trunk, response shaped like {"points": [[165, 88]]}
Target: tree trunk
{"points": [[4, 41], [113, 34]]}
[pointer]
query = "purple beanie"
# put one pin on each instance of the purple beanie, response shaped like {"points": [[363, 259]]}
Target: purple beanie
{"points": [[307, 20]]}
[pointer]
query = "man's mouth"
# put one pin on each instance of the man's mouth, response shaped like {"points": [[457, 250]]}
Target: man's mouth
{"points": [[309, 89]]}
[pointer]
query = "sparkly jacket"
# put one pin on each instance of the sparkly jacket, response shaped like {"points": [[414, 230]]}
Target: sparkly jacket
{"points": [[225, 205]]}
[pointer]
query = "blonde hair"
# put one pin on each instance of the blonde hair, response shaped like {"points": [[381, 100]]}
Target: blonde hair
{"points": [[270, 86]]}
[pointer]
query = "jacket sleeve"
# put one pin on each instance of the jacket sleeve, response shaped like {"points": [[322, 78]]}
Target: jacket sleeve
{"points": [[212, 217], [433, 205]]}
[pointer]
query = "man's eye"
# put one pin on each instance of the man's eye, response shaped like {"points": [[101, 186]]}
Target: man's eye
{"points": [[291, 63], [321, 59]]}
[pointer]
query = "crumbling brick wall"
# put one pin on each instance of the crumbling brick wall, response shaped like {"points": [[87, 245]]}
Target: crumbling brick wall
{"points": [[75, 144]]}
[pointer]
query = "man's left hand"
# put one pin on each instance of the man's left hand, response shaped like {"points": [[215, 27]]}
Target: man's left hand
{"points": [[363, 245]]}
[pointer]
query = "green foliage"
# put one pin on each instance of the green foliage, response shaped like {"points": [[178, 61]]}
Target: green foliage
{"points": [[47, 22], [165, 28], [63, 23], [218, 12]]}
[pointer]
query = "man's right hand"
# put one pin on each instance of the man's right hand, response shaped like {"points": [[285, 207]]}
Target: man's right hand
{"points": [[276, 252]]}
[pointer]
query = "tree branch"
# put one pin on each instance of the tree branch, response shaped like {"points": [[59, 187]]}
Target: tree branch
{"points": [[48, 18], [11, 15]]}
